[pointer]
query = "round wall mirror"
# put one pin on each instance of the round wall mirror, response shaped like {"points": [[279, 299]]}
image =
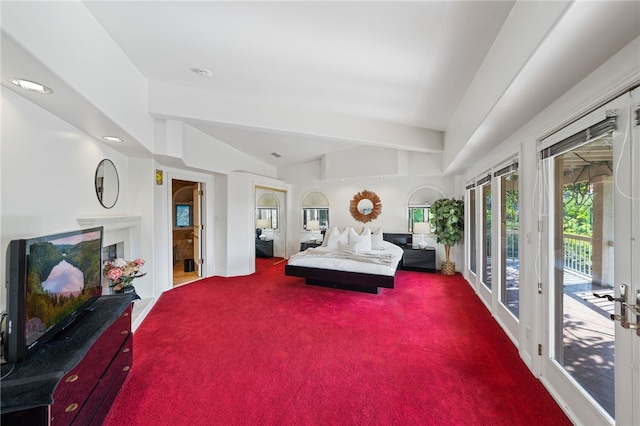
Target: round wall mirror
{"points": [[365, 206], [107, 183]]}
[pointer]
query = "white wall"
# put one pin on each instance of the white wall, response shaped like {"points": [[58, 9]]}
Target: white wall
{"points": [[394, 193], [220, 224], [364, 161], [241, 225], [48, 170], [47, 176]]}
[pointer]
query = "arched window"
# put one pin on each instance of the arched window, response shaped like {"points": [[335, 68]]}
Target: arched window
{"points": [[267, 207], [315, 206], [419, 203]]}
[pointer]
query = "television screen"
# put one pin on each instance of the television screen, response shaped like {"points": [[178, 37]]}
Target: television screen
{"points": [[51, 280], [183, 215]]}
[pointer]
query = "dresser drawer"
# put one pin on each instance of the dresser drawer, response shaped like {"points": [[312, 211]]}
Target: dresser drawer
{"points": [[76, 386]]}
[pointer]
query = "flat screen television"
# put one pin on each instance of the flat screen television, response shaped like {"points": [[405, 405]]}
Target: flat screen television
{"points": [[183, 215], [51, 283]]}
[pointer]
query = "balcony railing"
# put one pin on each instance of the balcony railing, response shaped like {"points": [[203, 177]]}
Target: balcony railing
{"points": [[577, 253]]}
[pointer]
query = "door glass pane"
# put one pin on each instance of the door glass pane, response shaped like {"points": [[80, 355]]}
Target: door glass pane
{"points": [[486, 235], [472, 230], [510, 232], [584, 242]]}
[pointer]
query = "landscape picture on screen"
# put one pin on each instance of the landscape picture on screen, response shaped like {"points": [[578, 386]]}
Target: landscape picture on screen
{"points": [[62, 275], [183, 215]]}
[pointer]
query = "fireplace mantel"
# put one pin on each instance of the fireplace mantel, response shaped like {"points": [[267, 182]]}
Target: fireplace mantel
{"points": [[110, 223]]}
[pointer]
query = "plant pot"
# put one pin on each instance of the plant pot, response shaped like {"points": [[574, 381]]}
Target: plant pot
{"points": [[127, 290], [448, 268]]}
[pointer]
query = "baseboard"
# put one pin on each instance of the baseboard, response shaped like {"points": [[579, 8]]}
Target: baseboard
{"points": [[141, 309]]}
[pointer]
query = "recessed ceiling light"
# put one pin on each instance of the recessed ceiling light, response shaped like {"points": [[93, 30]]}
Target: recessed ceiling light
{"points": [[112, 138], [31, 86], [201, 72]]}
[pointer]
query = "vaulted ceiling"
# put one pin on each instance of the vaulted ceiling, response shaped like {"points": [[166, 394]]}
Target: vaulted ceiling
{"points": [[301, 79]]}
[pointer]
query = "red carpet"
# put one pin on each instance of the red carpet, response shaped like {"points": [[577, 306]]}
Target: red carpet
{"points": [[268, 350], [262, 262]]}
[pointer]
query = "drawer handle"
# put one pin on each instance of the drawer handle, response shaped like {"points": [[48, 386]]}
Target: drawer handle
{"points": [[125, 350], [125, 314], [125, 332], [72, 378], [71, 407], [127, 368]]}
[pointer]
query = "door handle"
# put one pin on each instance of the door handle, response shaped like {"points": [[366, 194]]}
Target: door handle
{"points": [[609, 297], [626, 307]]}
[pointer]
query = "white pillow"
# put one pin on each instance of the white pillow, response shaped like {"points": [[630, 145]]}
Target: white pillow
{"points": [[377, 242], [328, 234], [363, 239], [350, 247], [334, 240]]}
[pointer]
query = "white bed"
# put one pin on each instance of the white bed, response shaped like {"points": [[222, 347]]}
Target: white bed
{"points": [[349, 260], [378, 262]]}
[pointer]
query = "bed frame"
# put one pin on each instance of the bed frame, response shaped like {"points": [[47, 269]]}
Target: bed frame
{"points": [[366, 283]]}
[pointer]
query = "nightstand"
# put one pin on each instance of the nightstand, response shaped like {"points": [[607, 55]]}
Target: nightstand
{"points": [[264, 248], [307, 244], [415, 259]]}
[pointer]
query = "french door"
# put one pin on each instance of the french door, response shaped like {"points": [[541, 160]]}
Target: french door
{"points": [[493, 206], [589, 268]]}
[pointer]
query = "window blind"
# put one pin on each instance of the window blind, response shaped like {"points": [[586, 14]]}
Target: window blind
{"points": [[607, 125], [484, 180], [513, 167]]}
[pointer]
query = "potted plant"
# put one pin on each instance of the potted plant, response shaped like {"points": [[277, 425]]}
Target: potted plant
{"points": [[447, 220], [122, 273]]}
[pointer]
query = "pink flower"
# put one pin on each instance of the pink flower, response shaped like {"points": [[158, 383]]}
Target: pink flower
{"points": [[114, 274], [122, 272]]}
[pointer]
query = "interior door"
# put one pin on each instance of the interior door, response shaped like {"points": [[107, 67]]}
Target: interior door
{"points": [[198, 227], [589, 240]]}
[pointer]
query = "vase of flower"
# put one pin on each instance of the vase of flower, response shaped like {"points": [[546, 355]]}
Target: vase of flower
{"points": [[128, 290], [122, 273]]}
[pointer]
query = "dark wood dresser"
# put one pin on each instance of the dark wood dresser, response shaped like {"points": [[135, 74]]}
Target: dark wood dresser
{"points": [[74, 380]]}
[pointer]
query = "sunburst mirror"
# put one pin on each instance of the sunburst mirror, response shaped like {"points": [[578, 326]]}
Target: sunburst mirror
{"points": [[365, 206]]}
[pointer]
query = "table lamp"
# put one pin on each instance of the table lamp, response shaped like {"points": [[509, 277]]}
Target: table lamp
{"points": [[262, 224], [421, 228], [313, 226]]}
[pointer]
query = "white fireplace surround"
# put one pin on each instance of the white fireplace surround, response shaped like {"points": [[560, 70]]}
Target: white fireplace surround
{"points": [[125, 229]]}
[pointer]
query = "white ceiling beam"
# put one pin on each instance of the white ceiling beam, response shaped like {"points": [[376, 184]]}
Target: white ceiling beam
{"points": [[188, 104], [524, 30]]}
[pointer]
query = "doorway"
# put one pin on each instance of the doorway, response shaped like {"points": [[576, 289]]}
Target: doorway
{"points": [[187, 227], [270, 224]]}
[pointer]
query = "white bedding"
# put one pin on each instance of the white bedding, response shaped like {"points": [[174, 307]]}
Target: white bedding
{"points": [[378, 262]]}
